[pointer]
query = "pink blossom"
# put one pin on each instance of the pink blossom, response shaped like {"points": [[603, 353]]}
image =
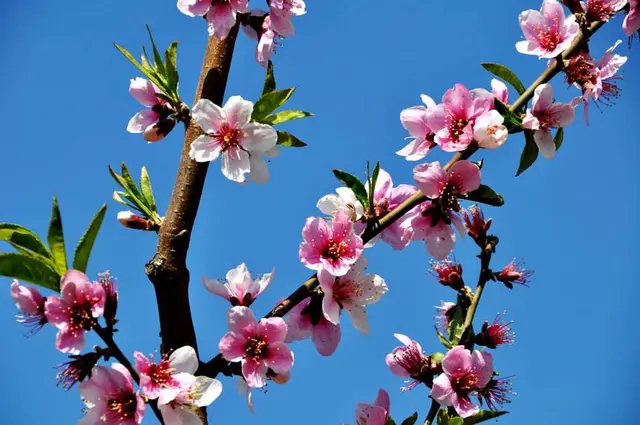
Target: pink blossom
{"points": [[602, 10], [194, 7], [222, 16], [259, 345], [408, 361], [476, 225], [239, 288], [31, 304], [282, 11], [344, 201], [334, 248], [514, 272], [547, 32], [168, 377], [76, 312], [266, 43], [197, 391], [497, 333], [306, 320], [376, 413], [489, 130], [230, 134], [77, 369], [448, 273], [631, 23], [496, 393], [110, 398], [353, 292], [153, 122], [596, 80], [110, 286], [443, 188], [544, 115], [444, 314], [414, 120], [452, 121], [464, 374], [500, 91]]}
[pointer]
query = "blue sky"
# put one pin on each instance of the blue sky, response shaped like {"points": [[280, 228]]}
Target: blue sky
{"points": [[356, 66]]}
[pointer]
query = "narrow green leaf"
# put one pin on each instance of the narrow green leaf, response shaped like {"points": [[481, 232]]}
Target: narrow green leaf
{"points": [[485, 195], [411, 419], [269, 80], [147, 71], [55, 237], [529, 153], [390, 421], [131, 184], [85, 244], [456, 326], [21, 236], [269, 103], [147, 191], [373, 183], [354, 184], [506, 74], [483, 415], [511, 121], [171, 68], [445, 419], [288, 139], [284, 116], [28, 269], [558, 138], [157, 59], [443, 339]]}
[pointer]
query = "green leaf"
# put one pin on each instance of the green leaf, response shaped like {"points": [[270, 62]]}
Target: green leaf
{"points": [[157, 59], [352, 182], [29, 269], [55, 237], [20, 236], [284, 116], [443, 339], [456, 326], [147, 191], [445, 419], [288, 139], [485, 195], [512, 122], [269, 103], [85, 244], [269, 80], [171, 67], [558, 138], [131, 184], [506, 74], [373, 182], [529, 153], [390, 421], [132, 193], [483, 415], [145, 69], [411, 419]]}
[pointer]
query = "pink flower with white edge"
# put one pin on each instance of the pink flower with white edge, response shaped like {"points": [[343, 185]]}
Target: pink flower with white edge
{"points": [[230, 134], [344, 201], [631, 24], [443, 188], [596, 80], [500, 91], [489, 130], [334, 248], [408, 361], [222, 16], [259, 345], [464, 374], [444, 314], [544, 115], [154, 122], [452, 120], [197, 391], [168, 377], [31, 303], [376, 413], [548, 33], [76, 312], [266, 43], [194, 7], [282, 11], [353, 292], [306, 320], [414, 120], [110, 398], [240, 288], [602, 10]]}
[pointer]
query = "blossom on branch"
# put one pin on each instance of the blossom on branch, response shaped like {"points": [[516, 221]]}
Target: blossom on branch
{"points": [[547, 32], [514, 272], [239, 288], [544, 115], [497, 333], [168, 377], [408, 361], [258, 345], [414, 120], [220, 14], [230, 134], [282, 12], [344, 200], [448, 273], [196, 392], [602, 10], [631, 24], [153, 122], [31, 304], [110, 398], [376, 413], [307, 320], [352, 292], [76, 311]]}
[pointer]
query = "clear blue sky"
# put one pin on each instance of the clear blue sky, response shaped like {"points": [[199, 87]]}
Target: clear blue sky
{"points": [[356, 66]]}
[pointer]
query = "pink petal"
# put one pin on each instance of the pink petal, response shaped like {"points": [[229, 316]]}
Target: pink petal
{"points": [[482, 364], [384, 185], [465, 175], [546, 145], [28, 299], [531, 21], [71, 342], [530, 121], [239, 280], [242, 321], [431, 179], [542, 98], [310, 256], [194, 7], [281, 23], [562, 114], [259, 172], [259, 138], [255, 373], [326, 337], [122, 376], [442, 392], [331, 309], [238, 111], [500, 90], [436, 117], [457, 361], [316, 231], [631, 23], [221, 18], [233, 346], [459, 101], [56, 312], [184, 360], [416, 149], [610, 62], [464, 407], [144, 91], [396, 369], [342, 227], [279, 357], [382, 400], [235, 164], [217, 288], [241, 6], [273, 329], [208, 115], [414, 120]]}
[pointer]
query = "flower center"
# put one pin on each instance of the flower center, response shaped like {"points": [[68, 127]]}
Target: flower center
{"points": [[599, 10], [456, 127], [161, 374], [549, 35], [334, 250], [124, 406], [412, 360], [227, 136], [80, 316], [465, 383], [256, 348], [581, 70], [346, 290]]}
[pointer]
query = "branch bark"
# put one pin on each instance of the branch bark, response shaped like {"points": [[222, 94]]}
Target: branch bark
{"points": [[167, 270]]}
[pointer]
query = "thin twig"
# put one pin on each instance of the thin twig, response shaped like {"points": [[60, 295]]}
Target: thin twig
{"points": [[433, 411]]}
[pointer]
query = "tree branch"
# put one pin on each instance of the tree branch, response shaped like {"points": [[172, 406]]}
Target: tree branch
{"points": [[433, 411], [167, 269]]}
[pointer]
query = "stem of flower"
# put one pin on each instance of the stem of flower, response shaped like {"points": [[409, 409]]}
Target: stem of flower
{"points": [[115, 352], [433, 411]]}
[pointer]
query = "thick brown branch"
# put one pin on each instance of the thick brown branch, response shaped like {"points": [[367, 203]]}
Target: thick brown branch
{"points": [[167, 269]]}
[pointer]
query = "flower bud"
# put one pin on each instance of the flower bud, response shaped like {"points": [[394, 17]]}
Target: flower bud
{"points": [[514, 272], [77, 369], [109, 285], [31, 304], [158, 131], [476, 225], [495, 334], [448, 273], [134, 221]]}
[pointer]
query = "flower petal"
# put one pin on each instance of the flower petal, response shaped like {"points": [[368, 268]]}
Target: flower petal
{"points": [[255, 373], [465, 175], [208, 115], [184, 360], [204, 149], [259, 138], [431, 179], [272, 329], [457, 361], [238, 111], [235, 164], [326, 337], [546, 145], [279, 357]]}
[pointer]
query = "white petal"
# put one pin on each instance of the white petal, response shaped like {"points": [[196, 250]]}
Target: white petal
{"points": [[259, 138], [184, 360], [359, 319], [203, 149], [238, 111], [207, 391], [208, 115], [234, 168], [329, 204], [259, 172]]}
